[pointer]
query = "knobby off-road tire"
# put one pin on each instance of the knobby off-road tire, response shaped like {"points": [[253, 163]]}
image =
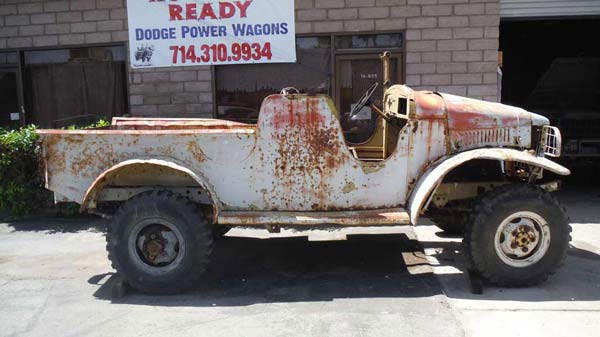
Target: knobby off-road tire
{"points": [[160, 242], [519, 212]]}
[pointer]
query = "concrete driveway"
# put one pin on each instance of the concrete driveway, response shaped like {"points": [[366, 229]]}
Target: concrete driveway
{"points": [[54, 274]]}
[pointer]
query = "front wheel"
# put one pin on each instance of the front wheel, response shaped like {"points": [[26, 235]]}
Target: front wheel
{"points": [[517, 236]]}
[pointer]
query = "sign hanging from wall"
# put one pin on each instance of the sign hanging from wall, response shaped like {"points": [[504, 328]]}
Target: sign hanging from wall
{"points": [[164, 33]]}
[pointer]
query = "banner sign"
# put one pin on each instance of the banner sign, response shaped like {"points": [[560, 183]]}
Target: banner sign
{"points": [[164, 33]]}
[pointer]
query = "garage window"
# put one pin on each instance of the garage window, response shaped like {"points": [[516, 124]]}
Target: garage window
{"points": [[74, 86], [240, 89]]}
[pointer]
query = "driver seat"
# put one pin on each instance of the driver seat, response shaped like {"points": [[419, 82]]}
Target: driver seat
{"points": [[380, 146]]}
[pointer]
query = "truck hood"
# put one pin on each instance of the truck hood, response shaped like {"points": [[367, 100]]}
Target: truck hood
{"points": [[539, 120], [474, 123], [466, 114]]}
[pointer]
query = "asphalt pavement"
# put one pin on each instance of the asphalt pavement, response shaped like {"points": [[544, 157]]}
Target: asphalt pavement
{"points": [[55, 281]]}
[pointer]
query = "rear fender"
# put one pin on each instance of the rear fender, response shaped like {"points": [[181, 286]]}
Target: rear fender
{"points": [[91, 196], [436, 173]]}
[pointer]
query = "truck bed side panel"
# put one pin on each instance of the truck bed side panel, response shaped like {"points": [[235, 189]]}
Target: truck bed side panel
{"points": [[296, 160]]}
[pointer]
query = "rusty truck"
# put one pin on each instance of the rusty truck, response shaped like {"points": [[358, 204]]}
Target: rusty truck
{"points": [[168, 185]]}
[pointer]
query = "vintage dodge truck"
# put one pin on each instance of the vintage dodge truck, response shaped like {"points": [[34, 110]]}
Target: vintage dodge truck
{"points": [[475, 167]]}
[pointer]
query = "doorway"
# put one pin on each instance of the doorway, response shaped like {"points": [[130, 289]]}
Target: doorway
{"points": [[551, 68], [9, 100], [355, 74], [365, 133]]}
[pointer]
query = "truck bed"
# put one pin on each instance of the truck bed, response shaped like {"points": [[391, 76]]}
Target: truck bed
{"points": [[74, 159]]}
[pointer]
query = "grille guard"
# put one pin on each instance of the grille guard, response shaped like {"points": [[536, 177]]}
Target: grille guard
{"points": [[550, 142]]}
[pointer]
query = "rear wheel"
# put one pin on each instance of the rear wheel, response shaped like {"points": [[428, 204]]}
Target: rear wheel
{"points": [[517, 236], [160, 242]]}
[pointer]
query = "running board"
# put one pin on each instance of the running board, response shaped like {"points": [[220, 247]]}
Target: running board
{"points": [[390, 216]]}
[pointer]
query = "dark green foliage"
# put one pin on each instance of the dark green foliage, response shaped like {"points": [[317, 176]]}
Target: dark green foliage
{"points": [[21, 184]]}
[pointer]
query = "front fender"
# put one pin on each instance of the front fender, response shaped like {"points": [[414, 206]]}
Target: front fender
{"points": [[436, 173]]}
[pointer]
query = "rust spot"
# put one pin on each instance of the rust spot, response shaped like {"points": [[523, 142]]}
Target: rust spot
{"points": [[55, 156], [308, 148], [470, 114], [430, 105], [196, 151], [371, 168], [349, 187]]}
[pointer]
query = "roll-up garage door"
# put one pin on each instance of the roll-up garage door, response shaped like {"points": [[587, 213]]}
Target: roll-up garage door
{"points": [[548, 8]]}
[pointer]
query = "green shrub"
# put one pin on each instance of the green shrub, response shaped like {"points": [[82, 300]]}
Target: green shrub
{"points": [[21, 184], [99, 124]]}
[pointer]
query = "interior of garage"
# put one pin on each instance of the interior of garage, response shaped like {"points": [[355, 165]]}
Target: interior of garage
{"points": [[552, 67]]}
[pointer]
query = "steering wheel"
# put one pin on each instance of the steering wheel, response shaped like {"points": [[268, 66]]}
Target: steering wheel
{"points": [[366, 97], [290, 91]]}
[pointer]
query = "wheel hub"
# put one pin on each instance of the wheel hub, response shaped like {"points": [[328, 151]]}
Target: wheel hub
{"points": [[157, 245], [153, 249], [522, 239]]}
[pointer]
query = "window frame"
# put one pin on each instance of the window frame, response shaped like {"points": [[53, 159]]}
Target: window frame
{"points": [[21, 66], [334, 52], [364, 56], [18, 66]]}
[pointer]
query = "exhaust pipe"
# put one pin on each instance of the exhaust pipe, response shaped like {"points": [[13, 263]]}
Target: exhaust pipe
{"points": [[387, 81]]}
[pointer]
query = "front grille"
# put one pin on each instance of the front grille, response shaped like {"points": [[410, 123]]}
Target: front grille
{"points": [[476, 138]]}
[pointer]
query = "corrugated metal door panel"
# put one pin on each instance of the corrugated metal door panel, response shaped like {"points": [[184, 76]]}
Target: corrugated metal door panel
{"points": [[545, 8]]}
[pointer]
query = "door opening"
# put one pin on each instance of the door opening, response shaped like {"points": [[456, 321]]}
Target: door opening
{"points": [[368, 135]]}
